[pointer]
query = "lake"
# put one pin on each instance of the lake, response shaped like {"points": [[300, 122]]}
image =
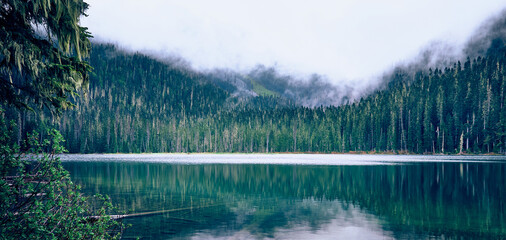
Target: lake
{"points": [[300, 196]]}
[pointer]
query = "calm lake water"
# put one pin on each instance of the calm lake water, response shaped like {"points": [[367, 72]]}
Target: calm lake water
{"points": [[283, 196]]}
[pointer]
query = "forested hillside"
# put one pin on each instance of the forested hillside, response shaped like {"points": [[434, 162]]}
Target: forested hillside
{"points": [[137, 104], [132, 97]]}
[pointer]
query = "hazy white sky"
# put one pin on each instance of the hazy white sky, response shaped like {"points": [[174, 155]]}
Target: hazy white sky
{"points": [[341, 39]]}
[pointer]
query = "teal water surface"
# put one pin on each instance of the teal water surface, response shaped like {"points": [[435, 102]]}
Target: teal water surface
{"points": [[301, 196]]}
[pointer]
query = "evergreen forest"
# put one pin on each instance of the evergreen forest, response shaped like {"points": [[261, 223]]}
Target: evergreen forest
{"points": [[136, 103]]}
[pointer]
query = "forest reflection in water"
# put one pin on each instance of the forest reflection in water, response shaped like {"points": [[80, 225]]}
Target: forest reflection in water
{"points": [[412, 200]]}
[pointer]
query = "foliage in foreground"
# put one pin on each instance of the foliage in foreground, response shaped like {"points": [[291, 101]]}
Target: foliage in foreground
{"points": [[43, 45], [38, 200], [42, 65]]}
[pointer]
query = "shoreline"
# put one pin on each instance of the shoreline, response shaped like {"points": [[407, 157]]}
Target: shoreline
{"points": [[298, 153]]}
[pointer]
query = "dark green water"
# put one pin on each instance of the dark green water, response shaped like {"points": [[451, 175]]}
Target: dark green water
{"points": [[381, 200]]}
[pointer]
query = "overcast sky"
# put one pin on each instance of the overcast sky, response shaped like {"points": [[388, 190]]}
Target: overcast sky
{"points": [[342, 39]]}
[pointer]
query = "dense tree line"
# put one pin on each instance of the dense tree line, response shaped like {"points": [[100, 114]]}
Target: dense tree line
{"points": [[137, 104]]}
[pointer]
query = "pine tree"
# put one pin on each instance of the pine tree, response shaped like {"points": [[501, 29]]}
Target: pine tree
{"points": [[43, 47]]}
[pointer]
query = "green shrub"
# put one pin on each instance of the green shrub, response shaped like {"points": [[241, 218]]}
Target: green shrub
{"points": [[38, 200]]}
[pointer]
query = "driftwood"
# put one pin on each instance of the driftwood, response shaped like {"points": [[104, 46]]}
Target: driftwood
{"points": [[26, 179], [143, 214], [10, 180]]}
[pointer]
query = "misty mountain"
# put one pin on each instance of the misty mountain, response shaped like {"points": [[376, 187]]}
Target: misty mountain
{"points": [[461, 108], [263, 86], [267, 81], [488, 40], [136, 103], [266, 86]]}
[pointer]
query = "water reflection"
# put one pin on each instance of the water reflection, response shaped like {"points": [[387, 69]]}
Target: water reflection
{"points": [[417, 200]]}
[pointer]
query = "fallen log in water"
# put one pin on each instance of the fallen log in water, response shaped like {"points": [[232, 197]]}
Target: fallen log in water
{"points": [[143, 214]]}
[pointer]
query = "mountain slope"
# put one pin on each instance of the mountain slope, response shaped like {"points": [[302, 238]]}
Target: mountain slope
{"points": [[139, 104], [130, 109]]}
